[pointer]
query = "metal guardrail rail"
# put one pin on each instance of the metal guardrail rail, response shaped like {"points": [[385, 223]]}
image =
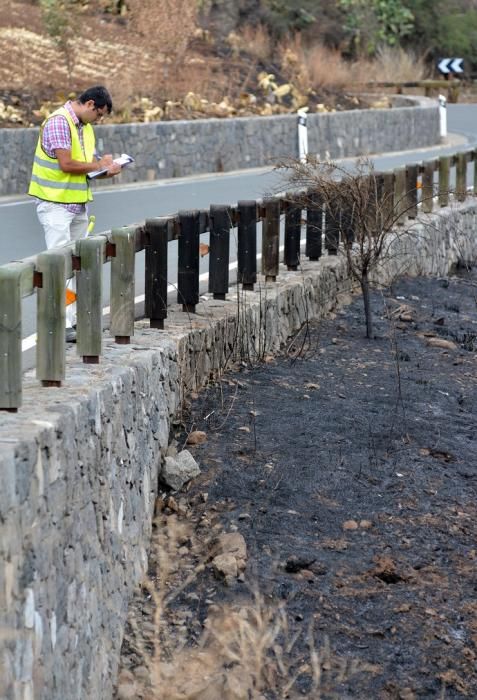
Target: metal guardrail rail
{"points": [[429, 87], [46, 274]]}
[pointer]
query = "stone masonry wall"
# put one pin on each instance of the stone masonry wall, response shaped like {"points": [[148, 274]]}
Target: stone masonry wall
{"points": [[79, 464], [179, 148]]}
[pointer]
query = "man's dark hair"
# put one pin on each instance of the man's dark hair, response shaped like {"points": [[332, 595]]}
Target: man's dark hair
{"points": [[99, 95]]}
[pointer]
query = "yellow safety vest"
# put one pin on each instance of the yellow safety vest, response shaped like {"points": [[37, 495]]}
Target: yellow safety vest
{"points": [[48, 181]]}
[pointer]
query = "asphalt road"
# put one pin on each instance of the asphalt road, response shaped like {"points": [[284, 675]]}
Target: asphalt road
{"points": [[22, 236]]}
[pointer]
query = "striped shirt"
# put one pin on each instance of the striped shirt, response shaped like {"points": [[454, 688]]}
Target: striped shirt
{"points": [[56, 134]]}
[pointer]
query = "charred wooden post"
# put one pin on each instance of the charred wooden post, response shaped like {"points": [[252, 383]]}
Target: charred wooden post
{"points": [[292, 234], [89, 288], [427, 191], [385, 185], [220, 222], [474, 158], [400, 195], [50, 345], [188, 265], [461, 177], [314, 226], [412, 173], [444, 179], [347, 226], [332, 226], [122, 284], [270, 239], [247, 243], [155, 305]]}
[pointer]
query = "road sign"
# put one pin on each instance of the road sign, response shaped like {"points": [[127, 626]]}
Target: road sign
{"points": [[450, 65]]}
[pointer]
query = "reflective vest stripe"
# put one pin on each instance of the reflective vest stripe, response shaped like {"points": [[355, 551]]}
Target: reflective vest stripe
{"points": [[47, 163], [59, 185]]}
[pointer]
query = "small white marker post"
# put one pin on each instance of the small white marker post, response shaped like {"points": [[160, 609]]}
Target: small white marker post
{"points": [[443, 116], [302, 135]]}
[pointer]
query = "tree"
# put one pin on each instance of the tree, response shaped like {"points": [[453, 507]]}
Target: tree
{"points": [[58, 17], [374, 22], [360, 212]]}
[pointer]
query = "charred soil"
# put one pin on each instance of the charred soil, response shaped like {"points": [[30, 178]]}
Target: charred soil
{"points": [[349, 466]]}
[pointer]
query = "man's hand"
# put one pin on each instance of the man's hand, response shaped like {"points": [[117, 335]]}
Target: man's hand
{"points": [[77, 167], [113, 169], [105, 161]]}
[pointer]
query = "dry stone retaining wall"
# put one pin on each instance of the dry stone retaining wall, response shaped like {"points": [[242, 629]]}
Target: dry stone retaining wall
{"points": [[179, 148], [80, 464]]}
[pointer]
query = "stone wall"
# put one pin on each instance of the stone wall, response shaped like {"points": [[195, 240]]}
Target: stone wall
{"points": [[179, 148], [80, 464]]}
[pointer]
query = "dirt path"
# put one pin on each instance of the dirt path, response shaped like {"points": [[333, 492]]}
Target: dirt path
{"points": [[349, 466]]}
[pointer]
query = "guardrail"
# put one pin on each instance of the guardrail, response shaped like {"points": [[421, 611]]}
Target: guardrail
{"points": [[45, 274], [429, 87]]}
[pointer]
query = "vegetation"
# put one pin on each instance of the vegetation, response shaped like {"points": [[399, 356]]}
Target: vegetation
{"points": [[198, 58], [353, 26]]}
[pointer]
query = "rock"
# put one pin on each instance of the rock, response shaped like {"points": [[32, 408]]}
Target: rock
{"points": [[365, 524], [142, 673], [441, 343], [295, 564], [196, 437], [177, 471], [230, 558], [127, 691], [225, 566], [172, 449], [350, 525], [233, 543]]}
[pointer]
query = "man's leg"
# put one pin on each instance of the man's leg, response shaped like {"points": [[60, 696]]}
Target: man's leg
{"points": [[78, 229], [56, 221]]}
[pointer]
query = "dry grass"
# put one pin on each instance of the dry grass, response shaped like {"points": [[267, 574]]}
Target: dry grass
{"points": [[164, 29], [240, 652], [255, 40], [391, 64], [312, 66]]}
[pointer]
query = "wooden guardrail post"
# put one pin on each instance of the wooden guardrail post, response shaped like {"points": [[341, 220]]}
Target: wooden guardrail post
{"points": [[461, 177], [400, 195], [332, 226], [385, 184], [89, 306], [247, 243], [220, 223], [188, 265], [412, 172], [314, 226], [122, 284], [347, 225], [270, 239], [444, 179], [292, 234], [474, 159], [427, 191], [155, 303], [50, 344], [10, 337]]}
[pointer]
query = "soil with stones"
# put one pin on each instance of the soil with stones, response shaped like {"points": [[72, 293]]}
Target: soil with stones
{"points": [[350, 468]]}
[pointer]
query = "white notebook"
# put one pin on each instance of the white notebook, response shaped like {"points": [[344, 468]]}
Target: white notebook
{"points": [[123, 160]]}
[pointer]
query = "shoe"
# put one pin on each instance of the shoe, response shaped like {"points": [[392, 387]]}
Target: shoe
{"points": [[70, 335]]}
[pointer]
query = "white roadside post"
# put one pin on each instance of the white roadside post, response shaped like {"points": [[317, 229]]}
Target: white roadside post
{"points": [[443, 116], [302, 135]]}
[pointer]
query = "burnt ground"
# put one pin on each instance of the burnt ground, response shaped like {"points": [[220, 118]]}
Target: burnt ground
{"points": [[349, 466]]}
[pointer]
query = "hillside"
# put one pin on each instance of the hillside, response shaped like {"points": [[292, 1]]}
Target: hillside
{"points": [[160, 75]]}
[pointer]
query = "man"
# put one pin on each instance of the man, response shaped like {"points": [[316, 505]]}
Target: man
{"points": [[65, 153]]}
